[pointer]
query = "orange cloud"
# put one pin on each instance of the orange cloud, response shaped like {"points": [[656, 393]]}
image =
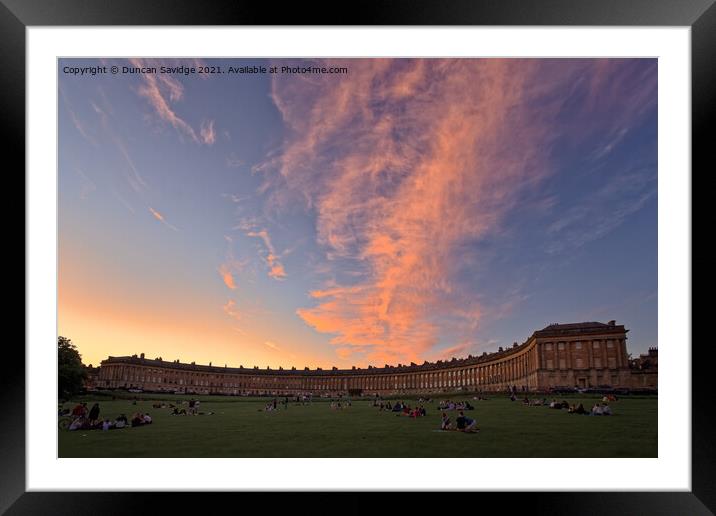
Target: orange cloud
{"points": [[272, 345], [161, 219], [230, 309], [405, 163], [227, 276], [276, 269]]}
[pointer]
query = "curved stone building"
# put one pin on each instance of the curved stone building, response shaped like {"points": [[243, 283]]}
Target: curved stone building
{"points": [[589, 354]]}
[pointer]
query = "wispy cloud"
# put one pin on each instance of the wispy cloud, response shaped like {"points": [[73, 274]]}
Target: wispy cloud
{"points": [[134, 178], [275, 267], [208, 135], [602, 211], [227, 275], [231, 266], [79, 125], [160, 91], [458, 351], [161, 219], [123, 201], [272, 345], [233, 161], [88, 185], [231, 310], [403, 163]]}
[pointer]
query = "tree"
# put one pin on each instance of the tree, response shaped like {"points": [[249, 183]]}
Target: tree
{"points": [[71, 372]]}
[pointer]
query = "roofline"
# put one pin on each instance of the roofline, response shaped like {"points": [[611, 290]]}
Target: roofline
{"points": [[399, 369]]}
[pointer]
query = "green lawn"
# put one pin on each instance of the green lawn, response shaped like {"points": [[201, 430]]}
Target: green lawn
{"points": [[239, 428]]}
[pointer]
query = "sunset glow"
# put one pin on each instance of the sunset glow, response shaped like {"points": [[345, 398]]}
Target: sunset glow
{"points": [[408, 210]]}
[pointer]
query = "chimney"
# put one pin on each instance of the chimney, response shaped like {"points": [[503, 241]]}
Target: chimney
{"points": [[612, 323], [141, 356]]}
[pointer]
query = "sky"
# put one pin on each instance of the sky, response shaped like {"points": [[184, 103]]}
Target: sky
{"points": [[404, 211]]}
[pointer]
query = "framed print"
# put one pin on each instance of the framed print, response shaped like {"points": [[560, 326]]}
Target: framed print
{"points": [[432, 250]]}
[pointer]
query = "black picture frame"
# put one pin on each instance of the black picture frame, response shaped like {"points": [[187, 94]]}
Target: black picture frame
{"points": [[16, 15]]}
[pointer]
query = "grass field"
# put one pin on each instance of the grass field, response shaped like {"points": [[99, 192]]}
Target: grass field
{"points": [[240, 428]]}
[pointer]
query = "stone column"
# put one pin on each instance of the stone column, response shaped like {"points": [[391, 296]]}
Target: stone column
{"points": [[604, 354], [620, 352]]}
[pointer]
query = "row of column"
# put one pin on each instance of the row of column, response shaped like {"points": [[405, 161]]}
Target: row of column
{"points": [[514, 370], [600, 350]]}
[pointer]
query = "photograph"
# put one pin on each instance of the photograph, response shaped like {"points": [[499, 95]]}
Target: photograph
{"points": [[357, 257]]}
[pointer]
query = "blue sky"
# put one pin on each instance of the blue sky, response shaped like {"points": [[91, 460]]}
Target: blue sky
{"points": [[404, 211]]}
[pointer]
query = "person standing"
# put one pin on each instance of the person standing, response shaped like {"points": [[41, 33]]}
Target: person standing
{"points": [[94, 414]]}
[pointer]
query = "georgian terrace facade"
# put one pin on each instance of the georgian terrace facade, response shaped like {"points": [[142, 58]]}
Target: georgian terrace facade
{"points": [[585, 355]]}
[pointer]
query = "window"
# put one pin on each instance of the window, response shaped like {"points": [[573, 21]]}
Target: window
{"points": [[595, 344], [597, 362], [580, 363], [550, 363], [548, 346], [612, 362], [577, 345], [610, 344], [561, 346], [562, 363]]}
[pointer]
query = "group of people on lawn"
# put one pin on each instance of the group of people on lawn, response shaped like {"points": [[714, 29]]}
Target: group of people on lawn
{"points": [[599, 409], [462, 423], [401, 408], [452, 405], [85, 419], [192, 411]]}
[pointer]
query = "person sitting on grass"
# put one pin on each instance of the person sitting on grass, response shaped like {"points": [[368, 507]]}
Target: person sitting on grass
{"points": [[106, 425], [597, 410], [580, 409], [606, 410], [193, 404], [465, 424], [147, 419], [445, 422], [137, 419], [77, 423], [423, 412]]}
